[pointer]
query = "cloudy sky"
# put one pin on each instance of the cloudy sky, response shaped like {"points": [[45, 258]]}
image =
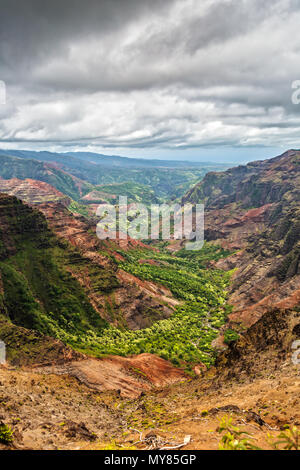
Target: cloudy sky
{"points": [[184, 79]]}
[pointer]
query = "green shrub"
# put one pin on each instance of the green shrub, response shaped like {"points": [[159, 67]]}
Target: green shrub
{"points": [[6, 434], [288, 439], [233, 438], [230, 336]]}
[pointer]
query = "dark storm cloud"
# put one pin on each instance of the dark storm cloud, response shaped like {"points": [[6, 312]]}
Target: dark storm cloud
{"points": [[142, 73], [33, 31], [221, 21]]}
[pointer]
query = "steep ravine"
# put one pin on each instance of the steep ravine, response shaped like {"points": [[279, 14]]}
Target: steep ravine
{"points": [[253, 211]]}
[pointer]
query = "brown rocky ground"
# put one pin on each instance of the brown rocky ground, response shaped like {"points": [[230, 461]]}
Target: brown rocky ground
{"points": [[130, 376], [32, 191], [45, 411], [58, 412], [255, 382]]}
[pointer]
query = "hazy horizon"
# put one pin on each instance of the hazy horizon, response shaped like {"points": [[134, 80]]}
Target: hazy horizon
{"points": [[230, 156]]}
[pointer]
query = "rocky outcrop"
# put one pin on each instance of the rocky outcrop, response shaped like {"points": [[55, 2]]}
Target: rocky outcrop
{"points": [[32, 191], [253, 210], [251, 185], [129, 376], [266, 345], [30, 348]]}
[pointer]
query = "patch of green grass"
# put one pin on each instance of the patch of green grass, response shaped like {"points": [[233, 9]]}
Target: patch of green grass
{"points": [[230, 336], [6, 434], [77, 208]]}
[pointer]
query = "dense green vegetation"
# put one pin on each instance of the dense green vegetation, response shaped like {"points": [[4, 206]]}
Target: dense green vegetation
{"points": [[77, 208], [135, 192], [186, 337], [63, 310], [39, 292], [230, 336], [167, 184]]}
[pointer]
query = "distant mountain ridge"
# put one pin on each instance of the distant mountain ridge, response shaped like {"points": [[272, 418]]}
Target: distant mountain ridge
{"points": [[107, 160], [80, 173]]}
